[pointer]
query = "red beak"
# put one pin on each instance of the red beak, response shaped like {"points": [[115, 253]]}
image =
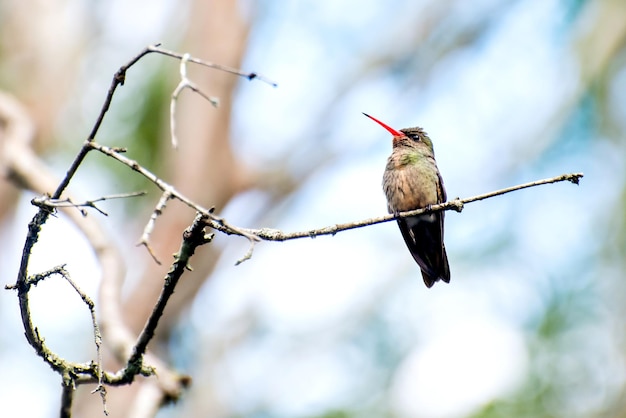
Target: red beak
{"points": [[389, 128]]}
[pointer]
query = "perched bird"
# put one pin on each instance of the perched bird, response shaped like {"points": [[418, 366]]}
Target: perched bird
{"points": [[412, 181]]}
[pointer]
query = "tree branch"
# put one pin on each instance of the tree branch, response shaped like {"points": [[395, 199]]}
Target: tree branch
{"points": [[193, 237], [121, 340], [270, 234], [457, 205], [31, 174]]}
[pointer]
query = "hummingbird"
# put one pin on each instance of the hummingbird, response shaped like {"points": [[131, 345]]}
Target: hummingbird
{"points": [[412, 181]]}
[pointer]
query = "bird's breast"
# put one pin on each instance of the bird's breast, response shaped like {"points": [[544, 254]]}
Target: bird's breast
{"points": [[410, 186]]}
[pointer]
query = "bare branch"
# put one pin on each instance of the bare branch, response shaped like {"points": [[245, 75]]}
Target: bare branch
{"points": [[118, 79], [227, 69], [213, 220], [248, 255], [193, 237], [131, 351], [63, 365], [29, 172], [457, 204], [158, 210], [268, 234], [573, 178], [67, 395], [185, 83], [46, 201]]}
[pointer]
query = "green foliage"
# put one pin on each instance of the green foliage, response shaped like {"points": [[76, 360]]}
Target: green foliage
{"points": [[143, 117], [560, 370]]}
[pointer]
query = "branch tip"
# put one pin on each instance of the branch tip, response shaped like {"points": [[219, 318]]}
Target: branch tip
{"points": [[248, 255], [575, 178]]}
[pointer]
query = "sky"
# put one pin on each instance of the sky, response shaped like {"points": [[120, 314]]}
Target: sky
{"points": [[485, 106]]}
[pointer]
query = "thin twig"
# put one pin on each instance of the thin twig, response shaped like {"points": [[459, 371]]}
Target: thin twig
{"points": [[184, 83], [269, 234], [213, 220], [118, 79], [96, 333], [248, 255], [225, 68], [147, 231], [42, 201], [573, 178], [60, 270]]}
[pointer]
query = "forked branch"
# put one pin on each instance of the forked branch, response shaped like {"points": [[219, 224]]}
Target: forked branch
{"points": [[133, 352]]}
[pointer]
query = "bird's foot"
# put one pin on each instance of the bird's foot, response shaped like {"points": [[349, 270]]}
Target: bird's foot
{"points": [[458, 204]]}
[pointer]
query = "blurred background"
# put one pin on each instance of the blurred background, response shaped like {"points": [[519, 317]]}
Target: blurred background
{"points": [[531, 324]]}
